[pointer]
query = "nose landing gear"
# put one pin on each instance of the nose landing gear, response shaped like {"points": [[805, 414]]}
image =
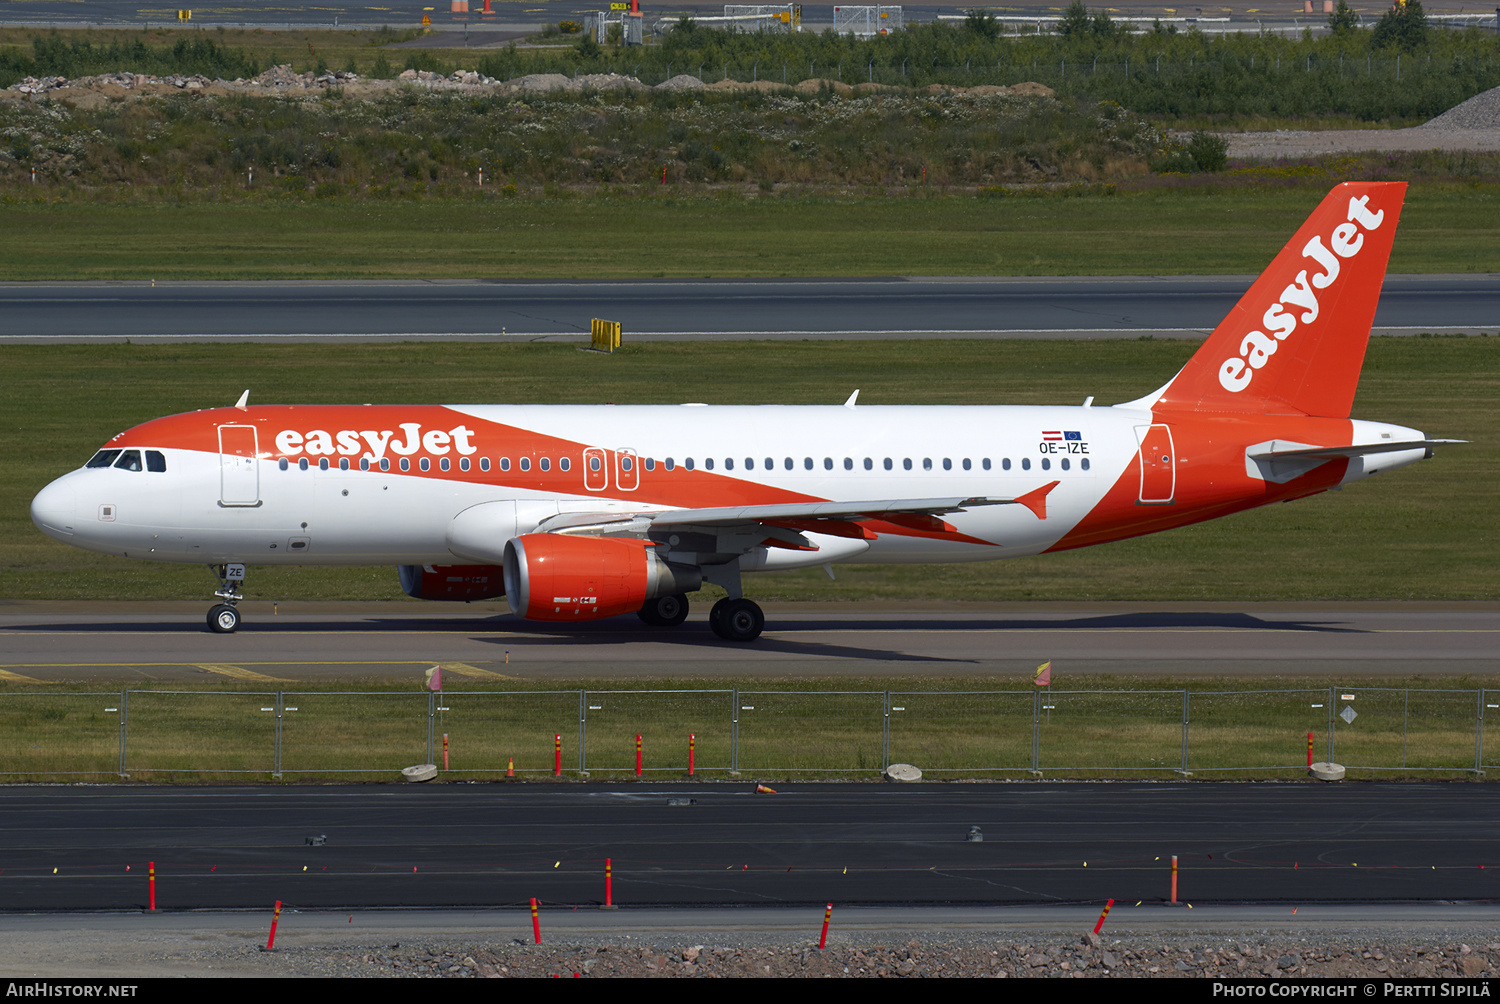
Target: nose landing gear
{"points": [[224, 618]]}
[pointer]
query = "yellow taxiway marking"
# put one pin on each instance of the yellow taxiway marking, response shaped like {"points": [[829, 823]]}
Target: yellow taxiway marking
{"points": [[238, 673], [464, 669], [18, 678]]}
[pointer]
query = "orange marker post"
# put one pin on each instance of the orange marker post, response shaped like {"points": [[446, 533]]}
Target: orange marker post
{"points": [[1309, 748], [536, 923], [609, 885], [557, 755], [510, 768], [445, 751], [1174, 880], [1100, 923], [275, 917], [692, 742], [151, 883], [823, 939], [638, 755]]}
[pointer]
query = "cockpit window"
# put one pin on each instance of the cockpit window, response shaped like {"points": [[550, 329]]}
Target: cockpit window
{"points": [[155, 462], [130, 460], [103, 458]]}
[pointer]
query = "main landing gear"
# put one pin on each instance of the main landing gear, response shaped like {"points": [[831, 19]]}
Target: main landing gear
{"points": [[737, 619], [224, 617], [664, 611], [733, 619]]}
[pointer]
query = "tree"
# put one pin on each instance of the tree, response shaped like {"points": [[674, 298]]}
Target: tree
{"points": [[1343, 19], [1076, 23], [982, 23], [1403, 28]]}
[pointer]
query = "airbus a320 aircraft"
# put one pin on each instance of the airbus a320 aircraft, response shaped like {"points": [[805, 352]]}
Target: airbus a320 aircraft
{"points": [[576, 513]]}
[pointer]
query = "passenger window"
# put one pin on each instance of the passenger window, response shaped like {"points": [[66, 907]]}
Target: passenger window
{"points": [[807, 463], [364, 464], [525, 463], [888, 463], [947, 464], [906, 463], [463, 464], [104, 458], [848, 463], [593, 464], [827, 463], [1005, 464], [385, 463], [504, 464], [1025, 463], [649, 463], [484, 463], [156, 463], [302, 464], [1046, 464], [926, 463], [688, 463], [708, 463], [967, 465], [405, 464], [770, 464], [546, 464], [323, 464], [1065, 463], [986, 463], [869, 464], [789, 463], [130, 460], [669, 464], [423, 463], [282, 463], [442, 464], [1085, 463], [564, 464], [728, 463]]}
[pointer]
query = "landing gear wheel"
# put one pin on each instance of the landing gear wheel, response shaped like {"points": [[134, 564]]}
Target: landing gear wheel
{"points": [[664, 611], [737, 620], [223, 618]]}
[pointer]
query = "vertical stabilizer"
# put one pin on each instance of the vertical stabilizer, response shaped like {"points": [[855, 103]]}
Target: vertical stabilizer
{"points": [[1295, 342]]}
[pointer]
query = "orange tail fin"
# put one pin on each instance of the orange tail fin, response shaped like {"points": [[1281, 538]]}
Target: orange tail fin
{"points": [[1296, 341]]}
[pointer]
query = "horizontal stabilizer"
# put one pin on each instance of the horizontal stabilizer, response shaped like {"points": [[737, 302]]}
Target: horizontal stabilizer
{"points": [[1274, 450]]}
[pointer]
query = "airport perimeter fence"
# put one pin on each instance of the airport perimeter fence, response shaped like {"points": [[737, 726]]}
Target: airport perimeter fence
{"points": [[166, 735]]}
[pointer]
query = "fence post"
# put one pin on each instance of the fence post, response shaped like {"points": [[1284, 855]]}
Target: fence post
{"points": [[1186, 715], [431, 714], [1478, 730], [583, 731], [123, 717], [280, 705], [1036, 739], [734, 731], [885, 736], [1332, 744]]}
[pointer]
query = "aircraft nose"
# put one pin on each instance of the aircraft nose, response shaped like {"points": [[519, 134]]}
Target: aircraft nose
{"points": [[53, 510]]}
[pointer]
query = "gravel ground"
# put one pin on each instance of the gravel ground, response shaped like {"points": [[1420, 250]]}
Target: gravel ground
{"points": [[1226, 951], [1473, 126]]}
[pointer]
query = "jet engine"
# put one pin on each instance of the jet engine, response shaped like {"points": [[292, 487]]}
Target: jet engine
{"points": [[452, 582], [556, 577]]}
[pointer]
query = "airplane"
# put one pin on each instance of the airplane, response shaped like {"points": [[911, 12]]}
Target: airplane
{"points": [[577, 513]]}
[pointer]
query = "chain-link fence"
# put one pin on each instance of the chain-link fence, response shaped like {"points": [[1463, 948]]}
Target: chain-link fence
{"points": [[167, 734]]}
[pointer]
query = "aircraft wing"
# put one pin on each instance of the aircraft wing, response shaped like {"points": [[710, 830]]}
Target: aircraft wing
{"points": [[922, 513]]}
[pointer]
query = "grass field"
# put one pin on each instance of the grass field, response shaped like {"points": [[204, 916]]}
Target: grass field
{"points": [[1444, 228], [1238, 728], [1421, 533]]}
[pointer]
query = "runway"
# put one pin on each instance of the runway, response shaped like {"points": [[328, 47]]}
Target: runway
{"points": [[122, 644], [690, 844], [1118, 307]]}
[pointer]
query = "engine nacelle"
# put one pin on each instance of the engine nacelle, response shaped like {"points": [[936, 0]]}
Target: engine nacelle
{"points": [[452, 582], [556, 577]]}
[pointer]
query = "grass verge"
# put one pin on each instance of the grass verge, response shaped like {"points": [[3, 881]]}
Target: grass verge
{"points": [[819, 728]]}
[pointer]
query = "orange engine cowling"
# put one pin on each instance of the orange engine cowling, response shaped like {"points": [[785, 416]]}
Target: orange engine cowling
{"points": [[452, 582], [555, 577]]}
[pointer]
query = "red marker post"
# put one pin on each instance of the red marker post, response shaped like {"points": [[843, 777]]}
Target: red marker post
{"points": [[557, 755], [1309, 748], [151, 883], [1100, 923], [823, 939], [609, 885], [692, 742], [275, 917], [536, 923], [637, 755], [445, 751]]}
